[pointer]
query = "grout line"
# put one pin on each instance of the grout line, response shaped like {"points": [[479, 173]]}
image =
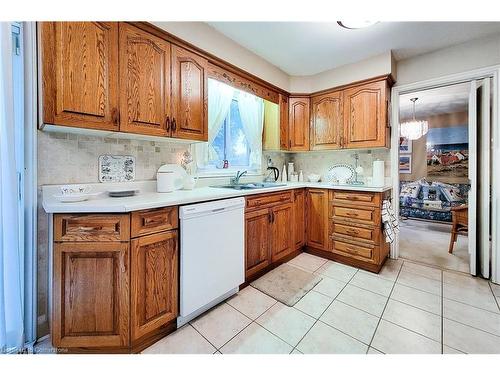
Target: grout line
{"points": [[317, 319], [494, 296], [385, 306]]}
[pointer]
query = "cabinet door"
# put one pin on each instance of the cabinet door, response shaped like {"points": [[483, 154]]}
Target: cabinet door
{"points": [[91, 294], [298, 120], [282, 242], [284, 134], [189, 95], [365, 116], [257, 241], [327, 121], [145, 82], [80, 74], [317, 218], [154, 282], [299, 226]]}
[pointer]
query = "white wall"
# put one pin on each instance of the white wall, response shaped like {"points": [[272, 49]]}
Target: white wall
{"points": [[368, 68], [207, 38], [471, 55]]}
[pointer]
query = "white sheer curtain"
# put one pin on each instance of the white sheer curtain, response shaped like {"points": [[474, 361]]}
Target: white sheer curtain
{"points": [[252, 118], [11, 271], [220, 96]]}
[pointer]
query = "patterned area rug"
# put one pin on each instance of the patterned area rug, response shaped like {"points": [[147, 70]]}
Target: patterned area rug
{"points": [[286, 283]]}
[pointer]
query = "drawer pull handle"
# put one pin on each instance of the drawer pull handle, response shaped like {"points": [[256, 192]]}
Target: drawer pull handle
{"points": [[352, 231], [90, 229], [353, 214], [156, 220]]}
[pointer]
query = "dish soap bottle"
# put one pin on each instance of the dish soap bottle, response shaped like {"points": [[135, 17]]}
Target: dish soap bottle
{"points": [[301, 176], [284, 177]]}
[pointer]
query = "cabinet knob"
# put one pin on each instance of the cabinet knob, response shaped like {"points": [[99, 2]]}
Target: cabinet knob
{"points": [[115, 116], [174, 125], [167, 123]]}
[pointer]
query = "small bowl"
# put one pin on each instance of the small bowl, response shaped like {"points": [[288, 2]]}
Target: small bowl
{"points": [[313, 177]]}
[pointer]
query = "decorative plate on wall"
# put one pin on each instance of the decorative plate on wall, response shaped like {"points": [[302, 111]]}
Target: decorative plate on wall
{"points": [[116, 168], [340, 173]]}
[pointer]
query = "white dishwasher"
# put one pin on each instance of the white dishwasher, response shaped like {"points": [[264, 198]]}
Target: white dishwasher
{"points": [[212, 254]]}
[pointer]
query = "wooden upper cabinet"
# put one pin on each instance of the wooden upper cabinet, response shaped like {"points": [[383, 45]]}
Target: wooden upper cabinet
{"points": [[257, 241], [327, 121], [299, 226], [284, 133], [282, 242], [80, 74], [298, 119], [189, 95], [145, 82], [91, 294], [154, 282], [365, 116], [317, 218]]}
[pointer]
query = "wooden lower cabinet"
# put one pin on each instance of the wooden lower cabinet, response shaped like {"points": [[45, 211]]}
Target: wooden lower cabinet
{"points": [[269, 231], [317, 218], [257, 241], [299, 218], [90, 295], [282, 242], [112, 293], [154, 282]]}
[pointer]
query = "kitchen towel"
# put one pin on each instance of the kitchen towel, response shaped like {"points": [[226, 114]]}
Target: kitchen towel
{"points": [[390, 221]]}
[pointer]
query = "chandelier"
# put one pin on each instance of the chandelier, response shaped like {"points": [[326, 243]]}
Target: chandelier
{"points": [[414, 129]]}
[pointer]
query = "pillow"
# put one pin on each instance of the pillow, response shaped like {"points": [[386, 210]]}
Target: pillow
{"points": [[450, 192], [410, 190]]}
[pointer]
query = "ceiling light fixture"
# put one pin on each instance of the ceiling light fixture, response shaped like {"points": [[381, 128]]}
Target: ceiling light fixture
{"points": [[356, 24], [414, 129]]}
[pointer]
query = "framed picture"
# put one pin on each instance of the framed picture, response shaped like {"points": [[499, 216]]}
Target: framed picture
{"points": [[405, 164], [404, 145]]}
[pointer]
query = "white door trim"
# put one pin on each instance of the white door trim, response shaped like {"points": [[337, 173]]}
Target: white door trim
{"points": [[492, 71]]}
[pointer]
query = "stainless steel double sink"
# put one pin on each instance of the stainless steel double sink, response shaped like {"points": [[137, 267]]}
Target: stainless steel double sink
{"points": [[249, 186]]}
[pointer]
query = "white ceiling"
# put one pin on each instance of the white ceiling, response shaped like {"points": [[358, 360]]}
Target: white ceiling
{"points": [[448, 99], [306, 48]]}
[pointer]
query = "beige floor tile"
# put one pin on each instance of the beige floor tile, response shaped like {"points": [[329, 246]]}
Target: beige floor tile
{"points": [[323, 339], [417, 298], [337, 271], [251, 302], [471, 296], [391, 269], [354, 322], [373, 351], [287, 323], [313, 304], [295, 351], [183, 341], [462, 280], [256, 340], [419, 269], [372, 283], [414, 319], [329, 287], [419, 282], [448, 350], [472, 316], [392, 339], [221, 324], [496, 289], [363, 299], [308, 261], [468, 339]]}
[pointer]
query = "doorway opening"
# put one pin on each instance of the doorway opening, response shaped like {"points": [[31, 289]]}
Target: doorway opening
{"points": [[443, 176]]}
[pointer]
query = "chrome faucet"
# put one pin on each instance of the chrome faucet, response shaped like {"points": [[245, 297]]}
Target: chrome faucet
{"points": [[236, 180]]}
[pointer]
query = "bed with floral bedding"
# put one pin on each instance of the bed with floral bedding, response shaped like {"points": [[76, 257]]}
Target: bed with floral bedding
{"points": [[430, 200]]}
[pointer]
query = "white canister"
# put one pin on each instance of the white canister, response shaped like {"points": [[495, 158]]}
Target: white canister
{"points": [[291, 170], [165, 181], [378, 179]]}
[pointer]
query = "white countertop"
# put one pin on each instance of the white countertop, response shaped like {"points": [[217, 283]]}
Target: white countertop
{"points": [[149, 198]]}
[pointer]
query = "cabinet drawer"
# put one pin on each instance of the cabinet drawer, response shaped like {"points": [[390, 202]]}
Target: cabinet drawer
{"points": [[365, 215], [153, 221], [355, 197], [356, 251], [93, 227], [353, 232], [267, 200]]}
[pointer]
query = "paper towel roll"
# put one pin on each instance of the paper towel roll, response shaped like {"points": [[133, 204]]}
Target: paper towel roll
{"points": [[378, 178]]}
